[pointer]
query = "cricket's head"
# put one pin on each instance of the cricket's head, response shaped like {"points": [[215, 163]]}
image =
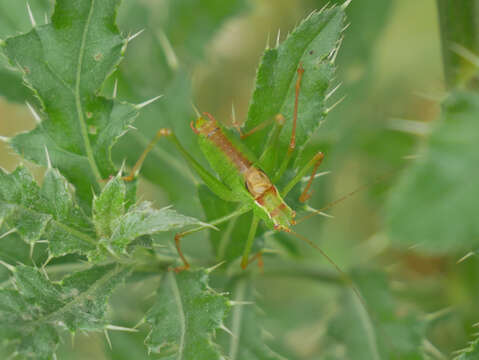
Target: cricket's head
{"points": [[205, 125]]}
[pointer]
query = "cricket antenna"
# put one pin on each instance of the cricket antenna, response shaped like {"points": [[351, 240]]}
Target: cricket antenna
{"points": [[315, 212], [347, 279]]}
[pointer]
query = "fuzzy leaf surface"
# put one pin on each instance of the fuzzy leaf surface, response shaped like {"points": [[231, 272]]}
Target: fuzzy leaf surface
{"points": [[185, 316], [66, 63], [309, 44], [441, 211], [44, 213], [34, 313]]}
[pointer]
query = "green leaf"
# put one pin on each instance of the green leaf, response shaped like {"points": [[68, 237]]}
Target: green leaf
{"points": [[152, 68], [37, 310], [144, 220], [459, 35], [440, 213], [247, 341], [47, 213], [313, 44], [109, 206], [185, 316], [470, 353], [378, 332], [66, 63], [14, 18]]}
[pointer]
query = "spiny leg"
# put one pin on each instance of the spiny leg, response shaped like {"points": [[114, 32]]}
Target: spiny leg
{"points": [[292, 142]]}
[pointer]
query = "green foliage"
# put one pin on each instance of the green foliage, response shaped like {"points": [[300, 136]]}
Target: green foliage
{"points": [[314, 44], [459, 36], [470, 353], [247, 341], [65, 63], [36, 309], [14, 19], [49, 212], [379, 332], [185, 317], [440, 213], [71, 236]]}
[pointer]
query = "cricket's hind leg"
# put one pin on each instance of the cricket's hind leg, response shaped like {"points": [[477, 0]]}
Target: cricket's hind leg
{"points": [[186, 265], [164, 132], [258, 256]]}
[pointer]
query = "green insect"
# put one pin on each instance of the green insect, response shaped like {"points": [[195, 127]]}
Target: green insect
{"points": [[242, 178]]}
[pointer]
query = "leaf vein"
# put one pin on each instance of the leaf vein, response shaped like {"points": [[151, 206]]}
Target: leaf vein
{"points": [[81, 118]]}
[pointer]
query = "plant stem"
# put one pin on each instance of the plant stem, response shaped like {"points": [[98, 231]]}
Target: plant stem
{"points": [[459, 30]]}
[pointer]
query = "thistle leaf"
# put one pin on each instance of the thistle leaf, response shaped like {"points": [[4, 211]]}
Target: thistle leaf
{"points": [[48, 213], [109, 206], [118, 226], [185, 316], [66, 63], [313, 44], [144, 220], [14, 19], [441, 211], [33, 314]]}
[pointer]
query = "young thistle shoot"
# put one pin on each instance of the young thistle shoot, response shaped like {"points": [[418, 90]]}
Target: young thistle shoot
{"points": [[242, 178]]}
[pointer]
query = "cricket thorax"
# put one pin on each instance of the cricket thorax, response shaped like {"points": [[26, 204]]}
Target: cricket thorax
{"points": [[257, 182]]}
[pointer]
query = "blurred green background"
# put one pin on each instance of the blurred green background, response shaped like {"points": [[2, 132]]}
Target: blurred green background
{"points": [[207, 52]]}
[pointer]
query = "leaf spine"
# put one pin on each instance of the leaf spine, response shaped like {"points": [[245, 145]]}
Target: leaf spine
{"points": [[148, 102], [170, 54], [328, 95], [47, 156], [30, 15], [115, 89], [465, 257], [37, 117], [11, 231], [331, 108], [132, 37], [346, 4]]}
